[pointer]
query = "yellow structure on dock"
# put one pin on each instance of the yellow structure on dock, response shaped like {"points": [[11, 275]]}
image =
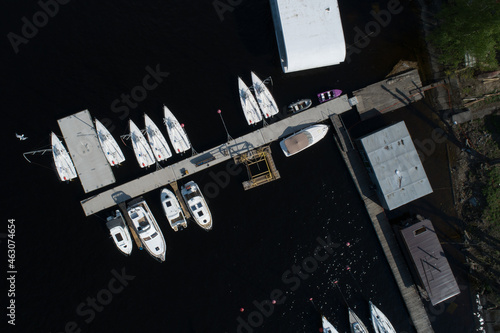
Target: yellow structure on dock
{"points": [[255, 159]]}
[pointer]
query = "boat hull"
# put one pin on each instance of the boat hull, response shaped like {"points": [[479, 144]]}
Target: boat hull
{"points": [[197, 205], [329, 95], [356, 325], [142, 151], [248, 104], [327, 326], [157, 142], [380, 322], [299, 106], [109, 146], [173, 210], [176, 133], [303, 139], [119, 233], [64, 165], [266, 101]]}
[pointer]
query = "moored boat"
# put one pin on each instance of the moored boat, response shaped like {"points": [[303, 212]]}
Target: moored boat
{"points": [[355, 323], [120, 233], [62, 160], [197, 205], [142, 150], [248, 104], [159, 145], [380, 322], [329, 95], [300, 105], [109, 147], [173, 210], [264, 98], [327, 326], [147, 229], [303, 139], [176, 132]]}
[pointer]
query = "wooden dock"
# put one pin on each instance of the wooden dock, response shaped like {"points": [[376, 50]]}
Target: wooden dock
{"points": [[383, 229], [261, 155], [216, 155], [388, 95]]}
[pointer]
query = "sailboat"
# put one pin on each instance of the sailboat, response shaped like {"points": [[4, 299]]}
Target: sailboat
{"points": [[264, 98], [109, 146], [176, 133], [142, 151], [327, 326], [248, 104], [62, 160], [379, 321], [355, 323], [157, 141]]}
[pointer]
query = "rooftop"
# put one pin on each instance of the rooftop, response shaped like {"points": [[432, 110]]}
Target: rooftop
{"points": [[309, 33], [397, 169], [430, 261]]}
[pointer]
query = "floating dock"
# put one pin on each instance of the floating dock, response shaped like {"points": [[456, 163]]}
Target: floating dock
{"points": [[389, 95], [262, 160], [216, 155], [382, 228], [91, 165]]}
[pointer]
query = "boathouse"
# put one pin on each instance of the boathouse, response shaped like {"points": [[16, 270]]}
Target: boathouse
{"points": [[429, 262], [394, 166], [309, 33]]}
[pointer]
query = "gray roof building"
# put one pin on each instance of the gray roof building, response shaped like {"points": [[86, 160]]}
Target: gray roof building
{"points": [[394, 166], [430, 261]]}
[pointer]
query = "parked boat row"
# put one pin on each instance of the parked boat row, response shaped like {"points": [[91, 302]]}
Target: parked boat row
{"points": [[146, 227], [262, 105]]}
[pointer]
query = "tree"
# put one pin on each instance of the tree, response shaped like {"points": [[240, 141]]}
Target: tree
{"points": [[469, 26]]}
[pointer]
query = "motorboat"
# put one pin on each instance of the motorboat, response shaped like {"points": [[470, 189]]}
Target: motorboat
{"points": [[197, 205], [173, 210], [327, 326], [109, 147], [142, 150], [248, 104], [147, 229], [176, 132], [303, 139], [264, 98], [355, 323], [62, 160], [300, 105], [329, 95], [120, 233], [379, 321], [159, 145]]}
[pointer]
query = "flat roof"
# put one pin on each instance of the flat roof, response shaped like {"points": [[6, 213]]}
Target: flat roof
{"points": [[396, 166], [430, 261], [309, 33], [91, 165]]}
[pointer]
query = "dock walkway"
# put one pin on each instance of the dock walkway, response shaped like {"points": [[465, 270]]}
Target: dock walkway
{"points": [[382, 227], [216, 155]]}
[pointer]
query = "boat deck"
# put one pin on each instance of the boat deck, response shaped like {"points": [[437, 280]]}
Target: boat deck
{"points": [[221, 153], [81, 140]]}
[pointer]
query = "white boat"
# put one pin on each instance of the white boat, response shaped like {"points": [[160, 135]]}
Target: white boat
{"points": [[197, 205], [147, 229], [379, 321], [356, 324], [248, 104], [142, 150], [173, 210], [264, 98], [176, 133], [62, 160], [119, 232], [157, 141], [303, 139], [109, 146], [327, 326]]}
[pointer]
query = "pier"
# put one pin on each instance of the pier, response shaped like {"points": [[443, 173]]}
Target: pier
{"points": [[382, 228], [216, 155]]}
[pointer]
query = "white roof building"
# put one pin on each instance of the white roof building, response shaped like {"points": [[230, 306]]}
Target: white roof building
{"points": [[309, 33], [395, 166]]}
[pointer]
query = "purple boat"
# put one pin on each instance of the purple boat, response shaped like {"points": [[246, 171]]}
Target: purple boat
{"points": [[329, 95]]}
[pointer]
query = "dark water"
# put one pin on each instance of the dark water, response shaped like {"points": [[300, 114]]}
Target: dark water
{"points": [[91, 53]]}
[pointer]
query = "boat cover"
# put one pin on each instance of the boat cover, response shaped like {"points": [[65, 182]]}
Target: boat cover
{"points": [[297, 142]]}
